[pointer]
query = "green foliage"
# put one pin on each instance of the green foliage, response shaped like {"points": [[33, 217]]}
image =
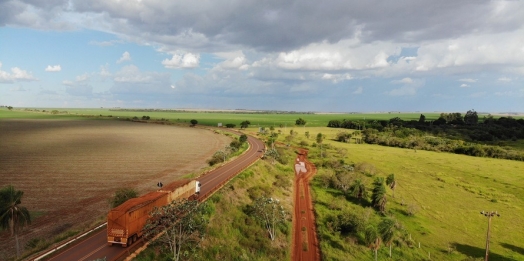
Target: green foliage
{"points": [[230, 125], [13, 216], [378, 197], [121, 196], [193, 122], [270, 213], [244, 124], [300, 122], [183, 224]]}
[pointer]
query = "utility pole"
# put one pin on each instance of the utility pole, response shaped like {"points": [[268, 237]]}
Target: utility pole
{"points": [[488, 214]]}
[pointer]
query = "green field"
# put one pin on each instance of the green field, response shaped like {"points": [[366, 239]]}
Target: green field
{"points": [[449, 192], [213, 118]]}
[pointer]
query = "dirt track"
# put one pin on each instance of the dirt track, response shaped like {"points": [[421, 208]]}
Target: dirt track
{"points": [[305, 241]]}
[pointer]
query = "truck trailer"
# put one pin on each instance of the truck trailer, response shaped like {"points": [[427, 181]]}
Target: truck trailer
{"points": [[125, 222]]}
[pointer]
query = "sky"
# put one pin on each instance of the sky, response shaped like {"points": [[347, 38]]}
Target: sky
{"points": [[304, 55]]}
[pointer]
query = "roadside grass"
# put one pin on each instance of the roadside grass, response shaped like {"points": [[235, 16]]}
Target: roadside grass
{"points": [[233, 234], [448, 190]]}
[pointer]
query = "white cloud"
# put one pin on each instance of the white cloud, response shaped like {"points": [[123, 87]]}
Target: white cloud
{"points": [[504, 79], [406, 80], [234, 61], [54, 68], [359, 90], [15, 75], [464, 85], [126, 57], [187, 60], [468, 80], [336, 78]]}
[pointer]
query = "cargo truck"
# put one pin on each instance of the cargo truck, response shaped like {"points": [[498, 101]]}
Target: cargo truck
{"points": [[125, 222]]}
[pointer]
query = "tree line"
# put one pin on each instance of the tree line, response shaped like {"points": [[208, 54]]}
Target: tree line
{"points": [[451, 132]]}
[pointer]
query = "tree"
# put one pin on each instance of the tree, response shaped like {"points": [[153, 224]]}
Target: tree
{"points": [[372, 239], [181, 225], [307, 134], [320, 139], [10, 107], [300, 122], [387, 229], [471, 117], [379, 194], [242, 138], [121, 196], [273, 154], [391, 182], [422, 119], [358, 189], [193, 122], [230, 125], [244, 124], [13, 216], [270, 213], [343, 136]]}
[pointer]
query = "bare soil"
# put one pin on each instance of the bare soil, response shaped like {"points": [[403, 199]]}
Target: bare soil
{"points": [[69, 169]]}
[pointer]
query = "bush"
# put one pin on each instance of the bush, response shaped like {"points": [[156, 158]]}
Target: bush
{"points": [[121, 196]]}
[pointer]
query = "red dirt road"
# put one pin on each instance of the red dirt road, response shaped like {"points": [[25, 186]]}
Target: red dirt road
{"points": [[305, 242]]}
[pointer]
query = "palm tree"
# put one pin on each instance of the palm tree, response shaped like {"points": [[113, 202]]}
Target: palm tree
{"points": [[379, 194], [12, 215], [387, 229], [372, 239], [358, 189], [391, 182]]}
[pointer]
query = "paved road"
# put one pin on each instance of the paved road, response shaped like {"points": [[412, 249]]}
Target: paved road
{"points": [[95, 246]]}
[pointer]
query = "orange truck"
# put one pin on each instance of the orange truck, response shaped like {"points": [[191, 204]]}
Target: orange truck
{"points": [[125, 222]]}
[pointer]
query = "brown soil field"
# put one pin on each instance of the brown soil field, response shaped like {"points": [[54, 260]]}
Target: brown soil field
{"points": [[68, 169]]}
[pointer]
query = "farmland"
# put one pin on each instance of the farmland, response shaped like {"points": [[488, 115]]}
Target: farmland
{"points": [[69, 168]]}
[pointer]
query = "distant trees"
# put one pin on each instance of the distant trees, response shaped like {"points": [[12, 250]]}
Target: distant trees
{"points": [[121, 196], [10, 107], [244, 124], [230, 125], [300, 122], [422, 118], [343, 136], [471, 117], [193, 122], [13, 216], [181, 225]]}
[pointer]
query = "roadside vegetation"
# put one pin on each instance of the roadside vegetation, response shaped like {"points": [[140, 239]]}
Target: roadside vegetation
{"points": [[237, 228]]}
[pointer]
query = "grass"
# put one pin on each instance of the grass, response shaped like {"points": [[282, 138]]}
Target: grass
{"points": [[210, 118], [449, 191], [234, 235]]}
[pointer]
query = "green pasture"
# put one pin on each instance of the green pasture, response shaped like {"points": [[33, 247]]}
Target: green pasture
{"points": [[211, 118], [448, 190]]}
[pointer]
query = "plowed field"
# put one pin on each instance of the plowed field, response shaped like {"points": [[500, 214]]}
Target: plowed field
{"points": [[69, 169]]}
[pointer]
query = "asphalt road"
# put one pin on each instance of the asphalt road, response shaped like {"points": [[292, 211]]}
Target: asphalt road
{"points": [[95, 246]]}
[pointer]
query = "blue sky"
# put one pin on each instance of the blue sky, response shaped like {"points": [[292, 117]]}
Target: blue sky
{"points": [[332, 56]]}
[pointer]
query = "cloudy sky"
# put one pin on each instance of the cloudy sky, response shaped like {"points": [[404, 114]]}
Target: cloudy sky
{"points": [[338, 56]]}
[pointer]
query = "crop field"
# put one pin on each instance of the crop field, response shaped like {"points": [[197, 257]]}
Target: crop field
{"points": [[68, 169], [448, 192]]}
